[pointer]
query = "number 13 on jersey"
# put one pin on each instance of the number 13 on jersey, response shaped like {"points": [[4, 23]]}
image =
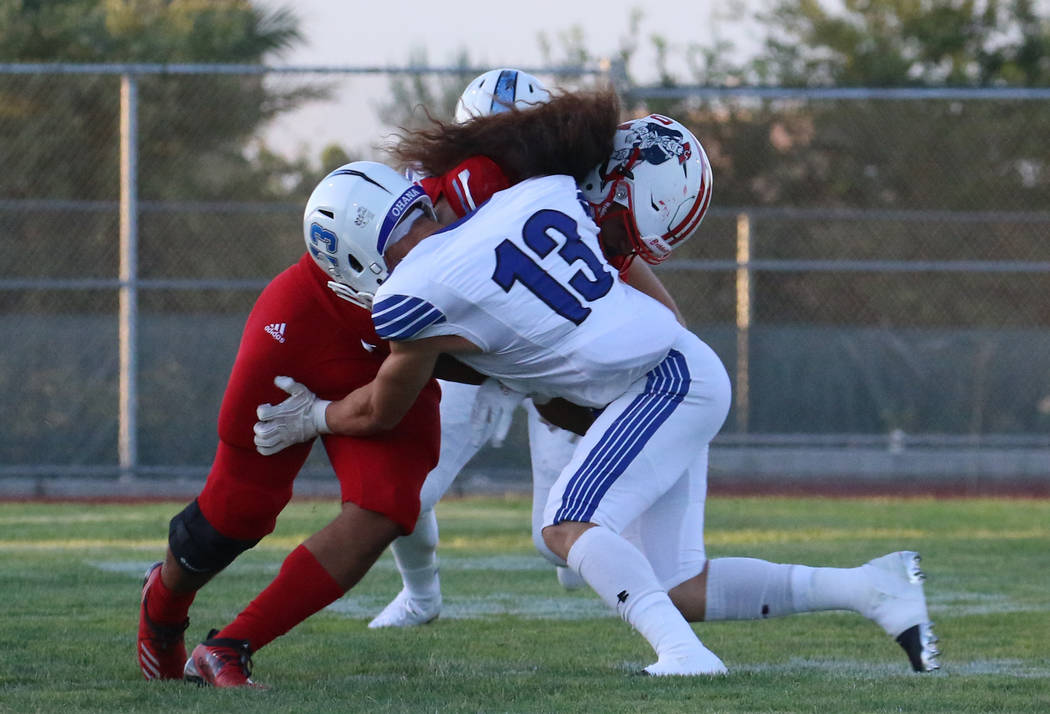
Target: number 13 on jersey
{"points": [[513, 265]]}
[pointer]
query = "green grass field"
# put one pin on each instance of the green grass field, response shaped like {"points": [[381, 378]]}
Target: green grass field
{"points": [[511, 640]]}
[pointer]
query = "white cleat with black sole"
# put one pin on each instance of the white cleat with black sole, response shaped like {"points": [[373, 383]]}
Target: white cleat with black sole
{"points": [[406, 611], [898, 606]]}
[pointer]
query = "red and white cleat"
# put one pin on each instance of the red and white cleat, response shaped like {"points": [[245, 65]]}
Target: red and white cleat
{"points": [[161, 648], [221, 662]]}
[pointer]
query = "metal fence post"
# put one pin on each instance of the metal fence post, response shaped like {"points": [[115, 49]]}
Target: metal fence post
{"points": [[127, 443], [742, 393]]}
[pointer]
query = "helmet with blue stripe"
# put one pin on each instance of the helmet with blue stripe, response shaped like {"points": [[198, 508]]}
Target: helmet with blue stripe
{"points": [[353, 216], [500, 90]]}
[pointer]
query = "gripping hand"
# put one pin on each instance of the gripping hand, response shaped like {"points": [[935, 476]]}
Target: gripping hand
{"points": [[492, 413], [298, 418]]}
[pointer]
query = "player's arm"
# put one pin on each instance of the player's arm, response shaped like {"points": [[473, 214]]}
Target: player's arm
{"points": [[642, 278], [451, 369], [566, 415], [463, 188], [377, 406], [382, 403], [618, 250]]}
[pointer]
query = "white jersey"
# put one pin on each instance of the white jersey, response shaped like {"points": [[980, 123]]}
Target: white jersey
{"points": [[524, 279]]}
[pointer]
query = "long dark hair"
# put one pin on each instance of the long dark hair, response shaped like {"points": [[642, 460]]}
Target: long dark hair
{"points": [[570, 134]]}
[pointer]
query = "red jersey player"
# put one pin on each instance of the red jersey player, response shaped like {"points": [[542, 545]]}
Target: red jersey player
{"points": [[303, 326]]}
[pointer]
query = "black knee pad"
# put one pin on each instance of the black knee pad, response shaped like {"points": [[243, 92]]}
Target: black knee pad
{"points": [[198, 546]]}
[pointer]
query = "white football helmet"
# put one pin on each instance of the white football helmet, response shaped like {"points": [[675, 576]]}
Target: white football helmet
{"points": [[497, 91], [660, 173], [352, 217]]}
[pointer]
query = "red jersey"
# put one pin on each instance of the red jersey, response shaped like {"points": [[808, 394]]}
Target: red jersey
{"points": [[300, 328]]}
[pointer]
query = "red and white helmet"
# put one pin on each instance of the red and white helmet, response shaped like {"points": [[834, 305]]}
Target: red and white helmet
{"points": [[498, 90], [660, 173], [352, 217]]}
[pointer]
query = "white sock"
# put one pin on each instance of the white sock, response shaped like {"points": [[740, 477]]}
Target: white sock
{"points": [[752, 589], [416, 557], [625, 580]]}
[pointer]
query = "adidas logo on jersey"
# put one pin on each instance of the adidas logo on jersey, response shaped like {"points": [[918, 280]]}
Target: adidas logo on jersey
{"points": [[276, 331]]}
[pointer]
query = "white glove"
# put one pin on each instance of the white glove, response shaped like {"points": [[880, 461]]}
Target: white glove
{"points": [[492, 413], [298, 418]]}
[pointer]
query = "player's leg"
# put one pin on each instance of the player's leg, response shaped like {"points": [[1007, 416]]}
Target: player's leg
{"points": [[887, 590], [550, 449], [671, 534], [313, 576], [415, 553], [637, 450], [237, 507], [245, 490], [381, 478]]}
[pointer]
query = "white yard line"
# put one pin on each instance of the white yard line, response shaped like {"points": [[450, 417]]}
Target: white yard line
{"points": [[853, 669]]}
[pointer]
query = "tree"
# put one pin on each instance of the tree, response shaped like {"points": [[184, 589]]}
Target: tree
{"points": [[60, 132], [935, 155], [939, 156], [886, 158], [882, 43]]}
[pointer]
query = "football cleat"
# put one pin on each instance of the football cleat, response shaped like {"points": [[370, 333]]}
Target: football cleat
{"points": [[899, 607], [407, 611], [221, 662], [704, 662], [161, 647], [919, 644]]}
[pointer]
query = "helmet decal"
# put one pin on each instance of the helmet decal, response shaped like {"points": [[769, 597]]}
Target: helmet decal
{"points": [[359, 174], [655, 144], [405, 201], [364, 216], [324, 245], [498, 91], [504, 95], [320, 235]]}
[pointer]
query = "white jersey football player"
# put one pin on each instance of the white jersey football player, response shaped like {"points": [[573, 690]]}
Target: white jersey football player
{"points": [[473, 415], [539, 309], [520, 292]]}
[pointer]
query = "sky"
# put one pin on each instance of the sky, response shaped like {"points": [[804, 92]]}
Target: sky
{"points": [[356, 33]]}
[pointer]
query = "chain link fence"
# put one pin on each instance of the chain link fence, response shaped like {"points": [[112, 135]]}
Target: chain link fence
{"points": [[873, 271]]}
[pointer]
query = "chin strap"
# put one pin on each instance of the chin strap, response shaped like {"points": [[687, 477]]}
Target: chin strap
{"points": [[653, 249], [350, 295]]}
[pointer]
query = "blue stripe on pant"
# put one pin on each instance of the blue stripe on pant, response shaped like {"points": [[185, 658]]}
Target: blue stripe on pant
{"points": [[665, 387]]}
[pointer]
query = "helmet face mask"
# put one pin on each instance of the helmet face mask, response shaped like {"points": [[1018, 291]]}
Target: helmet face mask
{"points": [[660, 173], [497, 91], [353, 216]]}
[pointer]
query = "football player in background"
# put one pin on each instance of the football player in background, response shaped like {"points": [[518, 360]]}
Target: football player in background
{"points": [[498, 91], [302, 325], [887, 590]]}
